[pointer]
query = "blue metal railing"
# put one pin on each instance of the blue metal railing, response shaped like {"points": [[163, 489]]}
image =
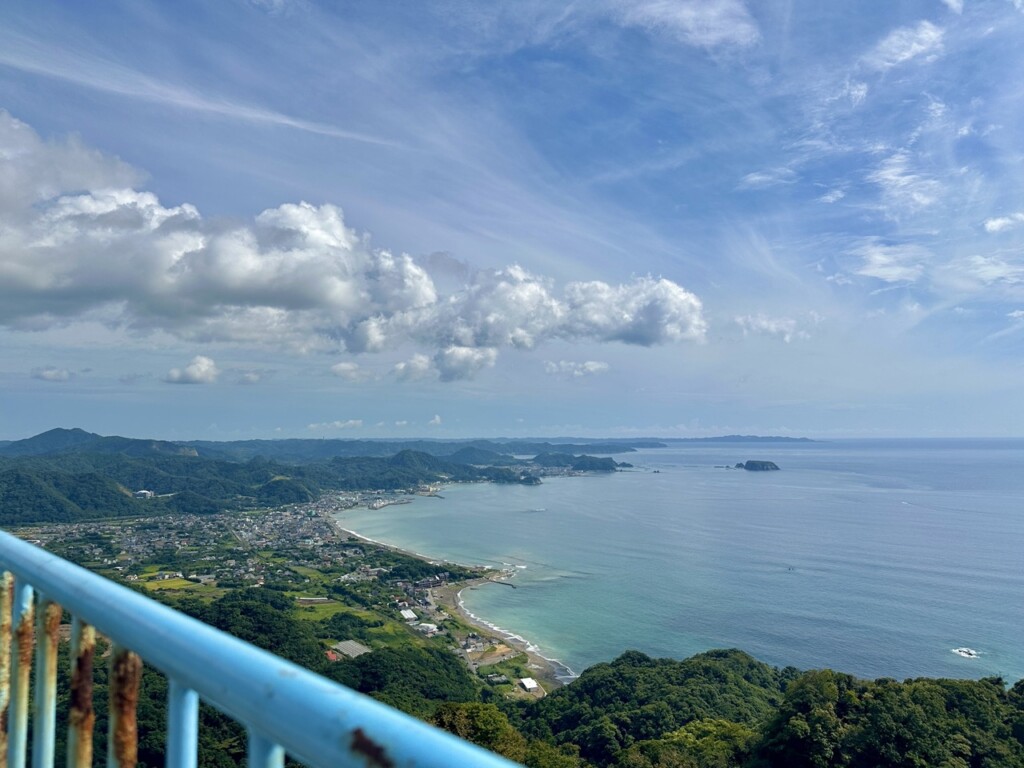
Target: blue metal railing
{"points": [[285, 708]]}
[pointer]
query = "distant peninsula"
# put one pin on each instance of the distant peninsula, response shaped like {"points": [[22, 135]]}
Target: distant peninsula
{"points": [[739, 439], [67, 475]]}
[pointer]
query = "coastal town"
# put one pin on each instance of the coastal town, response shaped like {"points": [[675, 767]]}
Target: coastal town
{"points": [[301, 550]]}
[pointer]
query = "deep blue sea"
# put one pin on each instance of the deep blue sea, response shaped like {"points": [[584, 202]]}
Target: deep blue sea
{"points": [[871, 557]]}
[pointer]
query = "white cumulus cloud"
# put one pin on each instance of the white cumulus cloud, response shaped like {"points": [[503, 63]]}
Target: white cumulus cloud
{"points": [[295, 277], [435, 422], [202, 370], [456, 363], [51, 373], [416, 367], [574, 370]]}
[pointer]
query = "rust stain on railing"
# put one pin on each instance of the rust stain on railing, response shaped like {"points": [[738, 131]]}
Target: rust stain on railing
{"points": [[24, 642], [374, 753], [126, 674], [6, 600], [51, 629], [81, 715], [44, 723], [306, 720]]}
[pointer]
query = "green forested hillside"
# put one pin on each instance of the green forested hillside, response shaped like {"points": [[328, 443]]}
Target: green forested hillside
{"points": [[28, 495], [720, 709], [298, 451], [69, 474], [77, 485], [636, 698]]}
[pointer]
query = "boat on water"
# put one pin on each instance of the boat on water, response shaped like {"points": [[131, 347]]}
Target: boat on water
{"points": [[967, 653]]}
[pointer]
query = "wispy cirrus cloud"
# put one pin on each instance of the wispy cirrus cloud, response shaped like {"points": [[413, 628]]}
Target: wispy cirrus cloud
{"points": [[977, 270], [785, 328], [833, 196], [40, 58], [703, 23], [769, 177], [250, 376], [1002, 223], [338, 424], [894, 263], [905, 43], [904, 188]]}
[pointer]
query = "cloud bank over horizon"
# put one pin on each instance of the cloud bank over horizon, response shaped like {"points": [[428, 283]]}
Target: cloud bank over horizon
{"points": [[296, 277]]}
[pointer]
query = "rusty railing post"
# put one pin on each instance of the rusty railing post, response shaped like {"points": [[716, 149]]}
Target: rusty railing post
{"points": [[123, 736], [6, 598], [81, 715], [44, 700], [21, 668], [286, 709]]}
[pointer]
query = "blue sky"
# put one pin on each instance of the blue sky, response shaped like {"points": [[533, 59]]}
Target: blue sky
{"points": [[284, 218]]}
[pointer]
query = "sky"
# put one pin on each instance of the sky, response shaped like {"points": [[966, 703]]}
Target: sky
{"points": [[287, 218]]}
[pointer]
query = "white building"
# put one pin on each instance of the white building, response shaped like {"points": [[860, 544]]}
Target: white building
{"points": [[529, 684]]}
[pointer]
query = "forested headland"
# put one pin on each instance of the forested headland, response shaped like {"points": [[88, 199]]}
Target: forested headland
{"points": [[66, 475]]}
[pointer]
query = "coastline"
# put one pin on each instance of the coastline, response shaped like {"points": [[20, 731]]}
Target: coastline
{"points": [[551, 673]]}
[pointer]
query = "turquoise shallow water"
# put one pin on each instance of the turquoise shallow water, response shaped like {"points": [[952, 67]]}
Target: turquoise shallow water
{"points": [[872, 557]]}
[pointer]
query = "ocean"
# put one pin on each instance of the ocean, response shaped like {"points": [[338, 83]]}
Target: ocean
{"points": [[873, 557]]}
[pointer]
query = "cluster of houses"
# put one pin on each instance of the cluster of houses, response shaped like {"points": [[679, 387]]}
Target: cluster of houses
{"points": [[216, 548], [224, 548]]}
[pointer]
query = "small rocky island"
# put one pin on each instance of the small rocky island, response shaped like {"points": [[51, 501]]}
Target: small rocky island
{"points": [[758, 466]]}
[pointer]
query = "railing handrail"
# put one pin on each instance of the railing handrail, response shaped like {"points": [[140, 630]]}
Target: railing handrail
{"points": [[315, 720]]}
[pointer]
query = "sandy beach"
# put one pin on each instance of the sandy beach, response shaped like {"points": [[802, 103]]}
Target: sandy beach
{"points": [[447, 598], [545, 672]]}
